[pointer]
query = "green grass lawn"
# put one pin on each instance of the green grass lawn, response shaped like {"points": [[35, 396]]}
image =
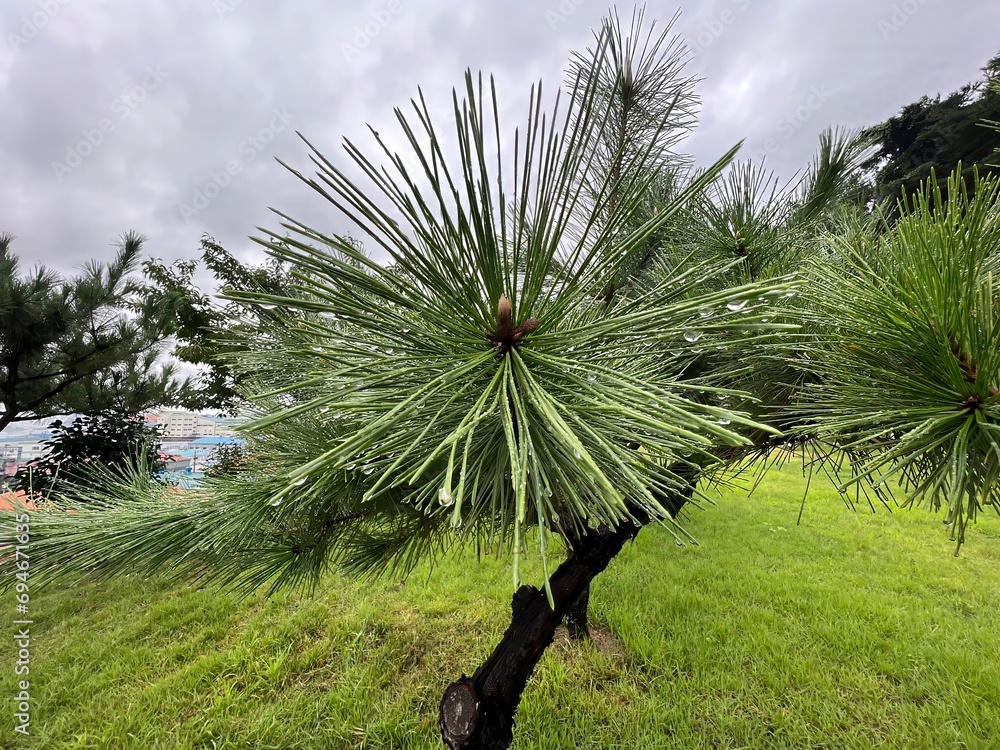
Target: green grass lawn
{"points": [[849, 631]]}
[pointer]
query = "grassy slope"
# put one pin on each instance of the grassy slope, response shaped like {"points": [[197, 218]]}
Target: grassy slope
{"points": [[850, 630]]}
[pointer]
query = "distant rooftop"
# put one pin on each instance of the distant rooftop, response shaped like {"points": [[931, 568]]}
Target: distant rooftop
{"points": [[11, 501], [218, 441]]}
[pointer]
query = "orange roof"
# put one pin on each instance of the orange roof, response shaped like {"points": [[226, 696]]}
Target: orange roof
{"points": [[11, 501]]}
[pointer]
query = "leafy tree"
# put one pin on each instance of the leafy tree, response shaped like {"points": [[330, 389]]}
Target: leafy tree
{"points": [[554, 357], [226, 459], [995, 124], [938, 134], [115, 440], [79, 345], [205, 331]]}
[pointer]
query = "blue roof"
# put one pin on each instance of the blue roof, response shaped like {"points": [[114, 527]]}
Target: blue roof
{"points": [[218, 441]]}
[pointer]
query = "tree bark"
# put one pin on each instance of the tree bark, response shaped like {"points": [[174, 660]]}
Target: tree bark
{"points": [[577, 618], [477, 713]]}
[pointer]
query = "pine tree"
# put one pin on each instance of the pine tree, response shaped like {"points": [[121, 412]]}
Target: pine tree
{"points": [[573, 329], [935, 133], [907, 354], [79, 345]]}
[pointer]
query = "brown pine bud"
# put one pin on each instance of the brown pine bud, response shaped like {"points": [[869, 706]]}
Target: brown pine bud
{"points": [[525, 328], [505, 319]]}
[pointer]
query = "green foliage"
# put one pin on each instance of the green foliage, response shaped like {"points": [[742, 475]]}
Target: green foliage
{"points": [[908, 350], [649, 102], [207, 332], [79, 345], [751, 228], [115, 441], [935, 134], [833, 179], [479, 388], [538, 358], [226, 459]]}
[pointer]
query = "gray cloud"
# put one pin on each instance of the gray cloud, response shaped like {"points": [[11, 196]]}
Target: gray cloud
{"points": [[776, 73]]}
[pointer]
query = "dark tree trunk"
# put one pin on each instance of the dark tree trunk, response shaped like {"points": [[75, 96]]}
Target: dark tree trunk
{"points": [[577, 618], [477, 713]]}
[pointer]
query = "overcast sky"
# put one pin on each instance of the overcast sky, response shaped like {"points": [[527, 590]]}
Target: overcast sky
{"points": [[118, 115]]}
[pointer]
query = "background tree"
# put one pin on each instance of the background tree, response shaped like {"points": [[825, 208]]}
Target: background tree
{"points": [[226, 459], [936, 133], [79, 345], [995, 124], [206, 331], [117, 441]]}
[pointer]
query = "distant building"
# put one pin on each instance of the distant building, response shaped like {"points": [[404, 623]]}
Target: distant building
{"points": [[177, 425], [16, 451]]}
